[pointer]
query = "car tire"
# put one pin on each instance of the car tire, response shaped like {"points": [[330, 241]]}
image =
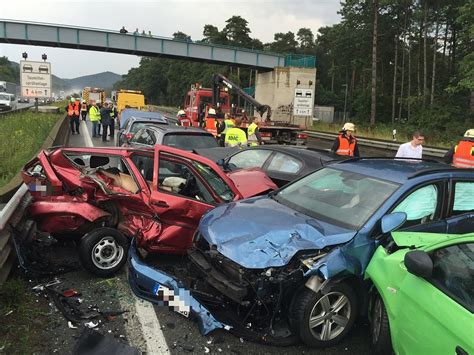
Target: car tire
{"points": [[380, 328], [103, 251], [319, 307]]}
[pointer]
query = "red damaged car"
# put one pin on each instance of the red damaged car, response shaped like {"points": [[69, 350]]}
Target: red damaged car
{"points": [[105, 195]]}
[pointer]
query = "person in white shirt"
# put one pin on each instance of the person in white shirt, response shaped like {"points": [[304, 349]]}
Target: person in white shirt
{"points": [[412, 149]]}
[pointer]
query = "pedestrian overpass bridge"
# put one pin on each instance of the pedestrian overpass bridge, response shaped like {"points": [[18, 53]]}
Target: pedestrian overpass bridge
{"points": [[63, 36]]}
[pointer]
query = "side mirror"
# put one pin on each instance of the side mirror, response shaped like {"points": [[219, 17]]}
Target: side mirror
{"points": [[220, 162], [419, 263], [392, 221]]}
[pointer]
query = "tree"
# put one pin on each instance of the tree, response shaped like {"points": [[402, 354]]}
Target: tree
{"points": [[181, 36], [283, 43], [213, 35], [237, 31], [305, 38]]}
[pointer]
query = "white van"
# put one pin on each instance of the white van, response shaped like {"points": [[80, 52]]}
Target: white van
{"points": [[7, 101]]}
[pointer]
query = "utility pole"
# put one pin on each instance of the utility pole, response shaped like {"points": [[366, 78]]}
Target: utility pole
{"points": [[345, 102]]}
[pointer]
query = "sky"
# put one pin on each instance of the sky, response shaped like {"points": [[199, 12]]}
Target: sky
{"points": [[162, 18]]}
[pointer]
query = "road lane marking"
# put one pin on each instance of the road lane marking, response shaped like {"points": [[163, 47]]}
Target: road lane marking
{"points": [[151, 328]]}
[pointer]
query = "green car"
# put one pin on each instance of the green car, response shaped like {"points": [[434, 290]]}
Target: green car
{"points": [[423, 294]]}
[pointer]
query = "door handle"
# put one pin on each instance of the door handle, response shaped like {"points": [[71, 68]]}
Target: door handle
{"points": [[160, 204], [461, 351]]}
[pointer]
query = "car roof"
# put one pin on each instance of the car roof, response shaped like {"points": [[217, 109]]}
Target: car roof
{"points": [[177, 129], [161, 120], [396, 170]]}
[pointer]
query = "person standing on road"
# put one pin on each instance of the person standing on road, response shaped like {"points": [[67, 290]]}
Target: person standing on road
{"points": [[105, 120], [253, 133], [235, 136], [94, 116], [462, 155], [412, 149], [223, 128], [72, 111], [346, 143], [84, 110], [113, 116]]}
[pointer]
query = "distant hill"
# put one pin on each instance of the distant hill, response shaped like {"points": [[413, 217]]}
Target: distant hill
{"points": [[104, 80]]}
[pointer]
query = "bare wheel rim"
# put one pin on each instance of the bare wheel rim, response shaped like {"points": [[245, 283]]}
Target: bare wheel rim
{"points": [[376, 320], [330, 316], [106, 253]]}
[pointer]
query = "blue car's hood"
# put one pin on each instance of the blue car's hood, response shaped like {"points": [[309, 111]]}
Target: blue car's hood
{"points": [[259, 232]]}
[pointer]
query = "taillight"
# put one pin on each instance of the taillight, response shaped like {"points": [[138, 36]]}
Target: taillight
{"points": [[128, 136], [265, 134], [301, 136]]}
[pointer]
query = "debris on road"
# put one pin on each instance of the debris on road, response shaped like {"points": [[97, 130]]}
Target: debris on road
{"points": [[93, 343]]}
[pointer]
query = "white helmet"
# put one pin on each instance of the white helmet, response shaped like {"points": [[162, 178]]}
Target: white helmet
{"points": [[211, 111], [181, 113]]}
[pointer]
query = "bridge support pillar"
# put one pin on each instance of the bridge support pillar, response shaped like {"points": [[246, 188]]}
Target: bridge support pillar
{"points": [[277, 89]]}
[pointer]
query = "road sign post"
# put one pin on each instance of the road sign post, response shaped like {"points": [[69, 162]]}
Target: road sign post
{"points": [[35, 79]]}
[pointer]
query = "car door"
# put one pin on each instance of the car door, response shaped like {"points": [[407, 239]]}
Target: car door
{"points": [[437, 313], [461, 208], [424, 206], [179, 198], [283, 168]]}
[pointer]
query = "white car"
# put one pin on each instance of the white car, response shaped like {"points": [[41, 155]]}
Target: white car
{"points": [[7, 102]]}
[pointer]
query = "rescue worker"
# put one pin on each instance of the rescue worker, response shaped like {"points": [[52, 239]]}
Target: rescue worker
{"points": [[105, 120], [235, 136], [462, 155], [183, 119], [223, 128], [72, 111], [94, 116], [84, 110], [346, 142], [113, 116], [253, 133]]}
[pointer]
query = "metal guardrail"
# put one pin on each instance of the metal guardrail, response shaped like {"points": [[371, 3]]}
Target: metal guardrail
{"points": [[380, 144]]}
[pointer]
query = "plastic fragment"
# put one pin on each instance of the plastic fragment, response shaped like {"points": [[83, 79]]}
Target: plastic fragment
{"points": [[206, 350], [71, 325], [91, 324]]}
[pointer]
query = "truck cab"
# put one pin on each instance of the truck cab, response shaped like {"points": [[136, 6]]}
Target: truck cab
{"points": [[198, 98]]}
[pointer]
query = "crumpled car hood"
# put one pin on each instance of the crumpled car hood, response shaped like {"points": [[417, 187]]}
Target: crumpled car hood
{"points": [[251, 182], [259, 233]]}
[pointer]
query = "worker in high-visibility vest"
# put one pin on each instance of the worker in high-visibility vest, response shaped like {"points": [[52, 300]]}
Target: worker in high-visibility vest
{"points": [[235, 136], [346, 143], [253, 133], [72, 111], [84, 110], [227, 124], [462, 155], [94, 116]]}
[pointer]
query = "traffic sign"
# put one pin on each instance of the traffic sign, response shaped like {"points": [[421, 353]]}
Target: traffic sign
{"points": [[35, 79], [303, 102]]}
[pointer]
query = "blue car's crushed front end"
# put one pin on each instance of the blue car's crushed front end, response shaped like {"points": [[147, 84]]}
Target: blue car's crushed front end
{"points": [[162, 289]]}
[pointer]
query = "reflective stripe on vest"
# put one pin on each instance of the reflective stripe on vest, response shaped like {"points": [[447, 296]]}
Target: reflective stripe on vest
{"points": [[84, 107], [464, 156], [228, 125], [73, 110], [235, 137], [252, 137], [346, 148]]}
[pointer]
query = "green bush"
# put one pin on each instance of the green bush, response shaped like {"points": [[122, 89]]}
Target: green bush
{"points": [[21, 136]]}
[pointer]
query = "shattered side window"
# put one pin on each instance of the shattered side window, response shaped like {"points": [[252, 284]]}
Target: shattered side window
{"points": [[110, 172]]}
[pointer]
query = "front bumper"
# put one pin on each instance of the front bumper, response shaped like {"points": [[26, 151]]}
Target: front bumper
{"points": [[162, 289]]}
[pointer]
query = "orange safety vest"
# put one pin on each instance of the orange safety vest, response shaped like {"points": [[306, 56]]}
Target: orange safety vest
{"points": [[84, 107], [464, 155], [184, 121], [346, 148], [73, 111], [211, 126]]}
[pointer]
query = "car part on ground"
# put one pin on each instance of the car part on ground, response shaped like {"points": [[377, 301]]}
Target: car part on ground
{"points": [[103, 194], [435, 291]]}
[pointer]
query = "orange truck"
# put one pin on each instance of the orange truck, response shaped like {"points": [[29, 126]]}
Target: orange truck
{"points": [[91, 95]]}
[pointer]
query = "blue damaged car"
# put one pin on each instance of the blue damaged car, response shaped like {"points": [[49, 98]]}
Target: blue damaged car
{"points": [[289, 266]]}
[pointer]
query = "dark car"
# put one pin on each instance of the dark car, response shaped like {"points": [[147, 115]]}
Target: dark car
{"points": [[282, 163], [289, 266], [134, 124], [186, 138]]}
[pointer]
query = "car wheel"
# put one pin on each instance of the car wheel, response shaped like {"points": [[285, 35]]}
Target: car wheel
{"points": [[324, 319], [380, 328], [103, 251]]}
